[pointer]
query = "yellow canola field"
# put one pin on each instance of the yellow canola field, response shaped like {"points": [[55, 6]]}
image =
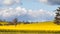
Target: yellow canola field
{"points": [[47, 26]]}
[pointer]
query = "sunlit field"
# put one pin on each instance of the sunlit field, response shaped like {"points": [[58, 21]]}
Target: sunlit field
{"points": [[42, 27]]}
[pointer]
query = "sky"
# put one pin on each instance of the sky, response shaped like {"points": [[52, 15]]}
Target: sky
{"points": [[28, 10]]}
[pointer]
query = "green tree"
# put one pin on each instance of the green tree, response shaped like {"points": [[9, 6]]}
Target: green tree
{"points": [[57, 18], [15, 21]]}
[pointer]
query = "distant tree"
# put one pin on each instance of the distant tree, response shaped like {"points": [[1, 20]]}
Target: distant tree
{"points": [[27, 22], [4, 20], [15, 21], [0, 20]]}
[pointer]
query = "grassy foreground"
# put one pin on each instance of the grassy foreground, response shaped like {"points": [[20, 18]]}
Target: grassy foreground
{"points": [[36, 27]]}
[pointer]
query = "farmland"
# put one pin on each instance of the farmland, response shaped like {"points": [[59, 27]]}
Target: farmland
{"points": [[31, 28]]}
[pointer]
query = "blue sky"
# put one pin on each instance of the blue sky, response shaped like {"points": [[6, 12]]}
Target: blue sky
{"points": [[35, 5], [28, 10]]}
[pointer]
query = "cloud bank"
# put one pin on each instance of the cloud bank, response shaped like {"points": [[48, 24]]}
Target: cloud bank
{"points": [[35, 15], [51, 2]]}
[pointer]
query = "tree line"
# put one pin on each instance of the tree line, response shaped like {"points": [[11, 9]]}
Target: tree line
{"points": [[15, 22]]}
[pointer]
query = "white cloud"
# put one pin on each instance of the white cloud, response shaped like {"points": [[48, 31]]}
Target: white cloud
{"points": [[8, 12], [41, 12], [44, 1], [35, 15], [9, 2]]}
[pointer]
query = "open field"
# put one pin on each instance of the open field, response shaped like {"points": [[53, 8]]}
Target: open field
{"points": [[43, 27], [29, 32], [26, 33], [47, 26]]}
